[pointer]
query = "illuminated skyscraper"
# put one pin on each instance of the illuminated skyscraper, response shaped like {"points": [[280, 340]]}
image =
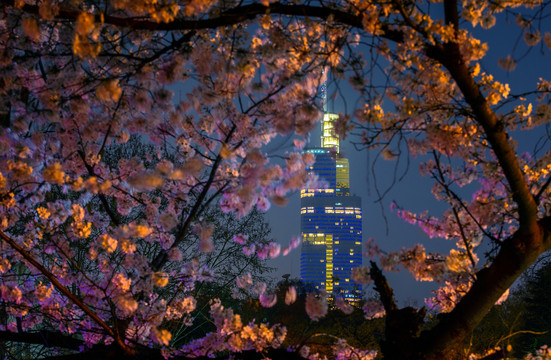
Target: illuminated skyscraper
{"points": [[331, 221]]}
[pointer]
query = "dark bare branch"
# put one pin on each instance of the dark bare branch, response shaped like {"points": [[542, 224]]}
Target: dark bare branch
{"points": [[46, 338]]}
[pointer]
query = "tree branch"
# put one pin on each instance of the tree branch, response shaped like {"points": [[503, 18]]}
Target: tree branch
{"points": [[230, 17], [111, 353], [511, 261], [233, 16], [162, 257], [112, 215], [450, 57], [402, 326], [72, 297], [442, 182], [381, 286], [450, 13], [542, 190], [46, 338]]}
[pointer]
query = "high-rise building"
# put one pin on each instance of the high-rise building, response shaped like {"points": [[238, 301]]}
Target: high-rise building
{"points": [[331, 221]]}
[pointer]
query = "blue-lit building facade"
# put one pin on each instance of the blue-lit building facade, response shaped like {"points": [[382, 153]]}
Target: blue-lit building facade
{"points": [[331, 222]]}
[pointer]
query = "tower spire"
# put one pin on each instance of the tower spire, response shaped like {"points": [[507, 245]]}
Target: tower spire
{"points": [[324, 90], [329, 139]]}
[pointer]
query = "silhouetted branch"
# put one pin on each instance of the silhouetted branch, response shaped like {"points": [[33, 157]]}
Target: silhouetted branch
{"points": [[383, 288], [46, 338]]}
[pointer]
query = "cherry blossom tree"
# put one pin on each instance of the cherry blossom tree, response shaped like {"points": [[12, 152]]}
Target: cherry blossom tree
{"points": [[92, 250]]}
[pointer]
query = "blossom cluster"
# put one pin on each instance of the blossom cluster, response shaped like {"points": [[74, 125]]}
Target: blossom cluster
{"points": [[231, 334]]}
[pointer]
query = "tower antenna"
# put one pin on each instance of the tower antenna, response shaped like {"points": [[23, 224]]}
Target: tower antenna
{"points": [[324, 90]]}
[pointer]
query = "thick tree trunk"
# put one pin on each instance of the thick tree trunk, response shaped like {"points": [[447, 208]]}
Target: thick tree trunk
{"points": [[514, 257]]}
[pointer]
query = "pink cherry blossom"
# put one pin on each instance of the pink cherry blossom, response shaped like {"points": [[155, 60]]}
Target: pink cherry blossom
{"points": [[316, 307]]}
